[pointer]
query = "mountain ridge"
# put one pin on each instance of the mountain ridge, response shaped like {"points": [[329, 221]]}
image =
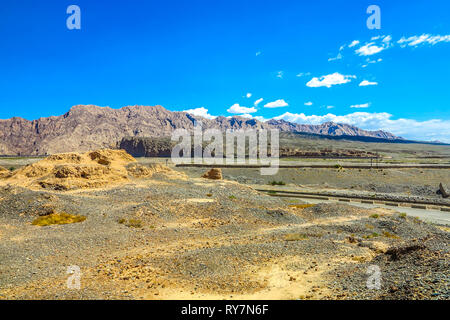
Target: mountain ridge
{"points": [[88, 127]]}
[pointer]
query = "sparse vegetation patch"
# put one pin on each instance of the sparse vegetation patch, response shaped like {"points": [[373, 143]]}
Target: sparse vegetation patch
{"points": [[132, 223], [276, 183], [372, 235], [295, 237], [58, 218]]}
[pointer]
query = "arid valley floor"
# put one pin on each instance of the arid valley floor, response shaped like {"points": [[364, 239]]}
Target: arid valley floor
{"points": [[156, 232]]}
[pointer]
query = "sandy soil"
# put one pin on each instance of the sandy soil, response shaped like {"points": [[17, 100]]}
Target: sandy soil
{"points": [[415, 182]]}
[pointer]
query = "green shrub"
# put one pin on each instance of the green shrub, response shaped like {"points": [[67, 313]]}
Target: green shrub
{"points": [[373, 235], [390, 235], [276, 183]]}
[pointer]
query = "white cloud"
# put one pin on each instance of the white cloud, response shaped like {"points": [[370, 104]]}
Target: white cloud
{"points": [[360, 106], [258, 53], [414, 41], [330, 107], [380, 43], [258, 102], [248, 95], [309, 103], [428, 130], [202, 112], [276, 104], [249, 116], [369, 49], [338, 57], [301, 74], [260, 118], [236, 108], [354, 43], [365, 83], [280, 74], [387, 39], [329, 80], [245, 115], [373, 61]]}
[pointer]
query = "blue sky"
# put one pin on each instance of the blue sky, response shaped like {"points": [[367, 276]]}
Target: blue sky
{"points": [[209, 56]]}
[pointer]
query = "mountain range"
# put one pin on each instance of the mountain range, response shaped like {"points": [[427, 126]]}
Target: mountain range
{"points": [[88, 127]]}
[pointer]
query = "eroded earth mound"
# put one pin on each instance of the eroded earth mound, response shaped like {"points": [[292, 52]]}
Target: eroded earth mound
{"points": [[69, 171], [214, 174], [3, 172]]}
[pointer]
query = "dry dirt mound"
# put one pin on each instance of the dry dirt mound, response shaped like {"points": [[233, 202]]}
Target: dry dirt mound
{"points": [[138, 171], [69, 171], [162, 171], [215, 174], [155, 170], [4, 172]]}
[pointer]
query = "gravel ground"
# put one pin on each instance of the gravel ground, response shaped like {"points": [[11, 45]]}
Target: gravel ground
{"points": [[202, 239], [422, 183]]}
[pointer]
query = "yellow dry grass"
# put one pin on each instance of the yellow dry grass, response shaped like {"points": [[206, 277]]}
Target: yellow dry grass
{"points": [[58, 218], [295, 237]]}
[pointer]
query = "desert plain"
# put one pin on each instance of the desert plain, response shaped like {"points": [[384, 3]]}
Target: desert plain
{"points": [[138, 229]]}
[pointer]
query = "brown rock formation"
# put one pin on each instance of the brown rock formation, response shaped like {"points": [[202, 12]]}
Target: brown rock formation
{"points": [[88, 127]]}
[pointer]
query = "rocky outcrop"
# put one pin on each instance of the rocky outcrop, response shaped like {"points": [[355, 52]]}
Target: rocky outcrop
{"points": [[330, 129], [88, 127], [147, 146]]}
